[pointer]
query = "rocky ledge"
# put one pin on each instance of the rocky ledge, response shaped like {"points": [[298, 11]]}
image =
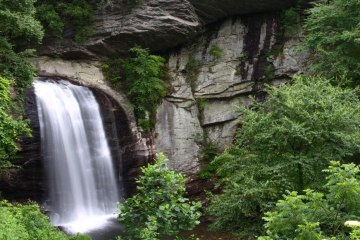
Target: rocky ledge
{"points": [[155, 24]]}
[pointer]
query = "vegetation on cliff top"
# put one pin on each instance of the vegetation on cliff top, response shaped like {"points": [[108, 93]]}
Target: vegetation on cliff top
{"points": [[75, 15]]}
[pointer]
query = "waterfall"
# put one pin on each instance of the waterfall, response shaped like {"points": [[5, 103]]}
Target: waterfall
{"points": [[83, 189]]}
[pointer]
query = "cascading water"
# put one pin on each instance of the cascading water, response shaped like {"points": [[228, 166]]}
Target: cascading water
{"points": [[82, 186]]}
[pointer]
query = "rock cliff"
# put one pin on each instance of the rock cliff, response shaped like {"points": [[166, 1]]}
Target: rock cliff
{"points": [[230, 63], [219, 53], [155, 24]]}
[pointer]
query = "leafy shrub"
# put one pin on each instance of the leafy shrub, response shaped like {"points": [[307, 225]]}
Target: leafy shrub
{"points": [[15, 66], [75, 14], [192, 70], [332, 34], [316, 215], [18, 22], [18, 27], [210, 151], [159, 207], [216, 52], [355, 225], [10, 128], [141, 78], [282, 145], [291, 21], [26, 222], [51, 19]]}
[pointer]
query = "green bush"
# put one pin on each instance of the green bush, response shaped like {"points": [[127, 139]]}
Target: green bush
{"points": [[26, 222], [18, 23], [282, 145], [318, 215], [50, 19], [10, 128], [15, 66], [140, 77], [210, 151], [216, 52], [159, 207], [192, 70], [75, 14], [332, 34], [355, 232], [291, 21], [18, 28]]}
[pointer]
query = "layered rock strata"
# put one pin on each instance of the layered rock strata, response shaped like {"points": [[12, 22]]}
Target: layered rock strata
{"points": [[214, 76], [155, 24]]}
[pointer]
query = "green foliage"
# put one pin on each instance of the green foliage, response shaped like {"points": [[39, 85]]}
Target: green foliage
{"points": [[10, 129], [317, 215], [159, 207], [81, 16], [216, 52], [51, 19], [15, 66], [26, 222], [18, 22], [291, 21], [75, 14], [210, 151], [332, 34], [355, 225], [282, 145], [141, 78], [269, 73], [201, 103], [18, 28], [192, 70]]}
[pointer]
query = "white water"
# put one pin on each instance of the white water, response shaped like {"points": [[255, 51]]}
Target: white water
{"points": [[82, 183]]}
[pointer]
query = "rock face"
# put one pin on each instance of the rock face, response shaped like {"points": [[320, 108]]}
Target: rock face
{"points": [[214, 10], [26, 182], [228, 61], [154, 24], [213, 76]]}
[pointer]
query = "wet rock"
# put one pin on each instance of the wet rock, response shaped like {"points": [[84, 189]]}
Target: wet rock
{"points": [[202, 106], [214, 10]]}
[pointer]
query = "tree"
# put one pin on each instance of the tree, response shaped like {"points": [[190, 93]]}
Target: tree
{"points": [[76, 15], [283, 144], [159, 207], [18, 21], [318, 215], [333, 35]]}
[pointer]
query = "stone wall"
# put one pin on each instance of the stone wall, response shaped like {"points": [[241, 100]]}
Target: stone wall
{"points": [[202, 107]]}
